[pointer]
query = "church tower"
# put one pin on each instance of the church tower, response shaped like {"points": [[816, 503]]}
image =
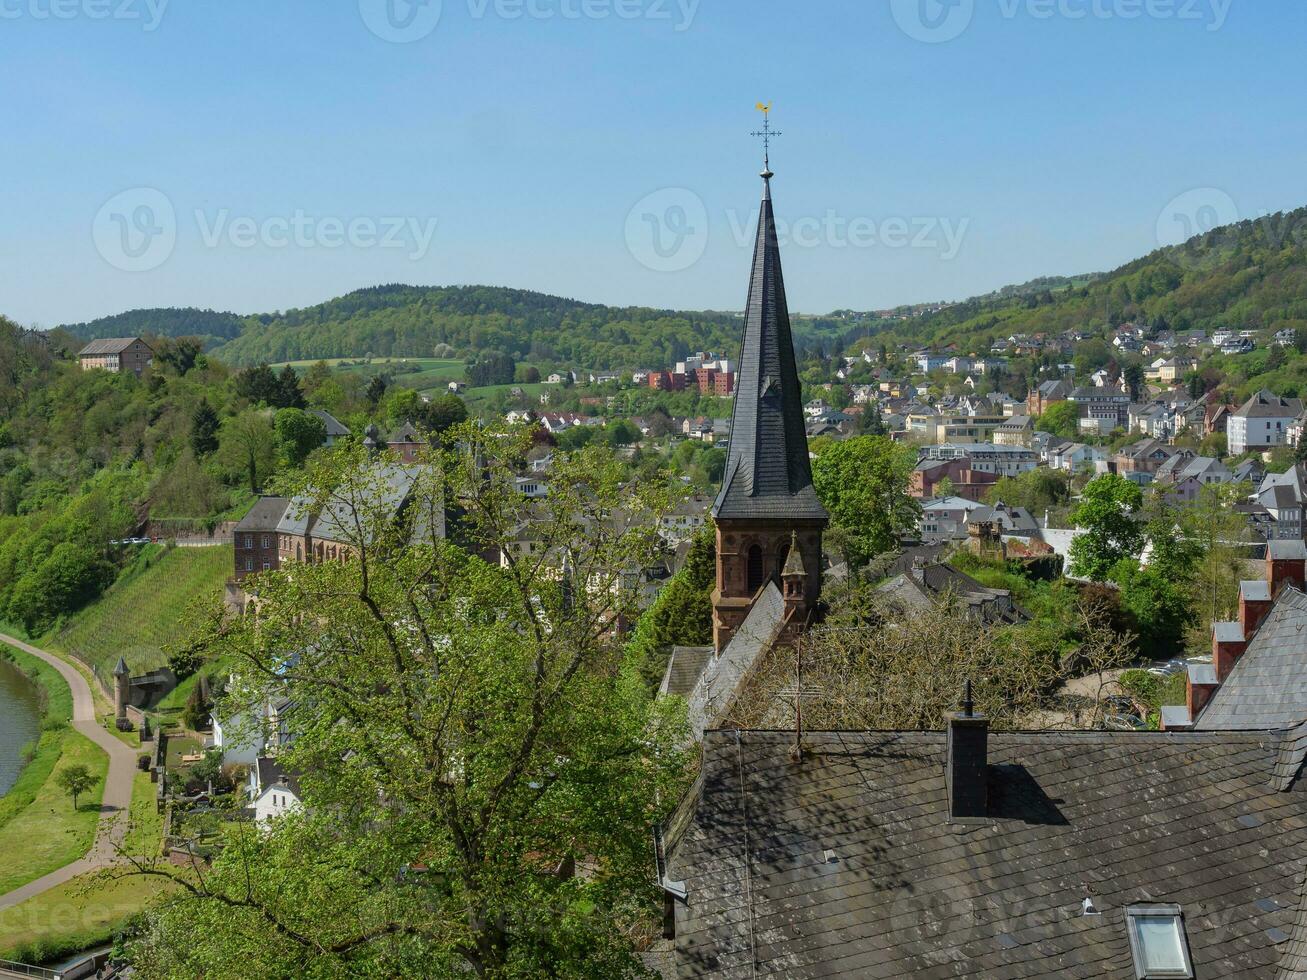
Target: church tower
{"points": [[767, 504]]}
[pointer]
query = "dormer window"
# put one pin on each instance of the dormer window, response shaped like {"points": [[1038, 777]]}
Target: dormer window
{"points": [[1158, 943]]}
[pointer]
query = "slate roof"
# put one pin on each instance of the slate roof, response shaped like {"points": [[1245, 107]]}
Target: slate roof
{"points": [[715, 691], [265, 515], [767, 471], [107, 345], [919, 587], [1266, 405], [684, 668], [1122, 818], [394, 488], [1267, 687], [270, 774], [335, 427]]}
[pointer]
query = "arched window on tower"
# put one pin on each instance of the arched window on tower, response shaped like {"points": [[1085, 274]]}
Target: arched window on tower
{"points": [[753, 578]]}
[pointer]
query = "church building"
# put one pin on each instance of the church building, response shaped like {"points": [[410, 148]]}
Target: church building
{"points": [[769, 520], [767, 504]]}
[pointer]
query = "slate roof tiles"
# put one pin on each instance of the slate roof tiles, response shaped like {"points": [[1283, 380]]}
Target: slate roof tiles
{"points": [[1122, 818]]}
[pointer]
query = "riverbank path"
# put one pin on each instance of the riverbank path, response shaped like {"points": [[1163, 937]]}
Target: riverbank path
{"points": [[117, 799]]}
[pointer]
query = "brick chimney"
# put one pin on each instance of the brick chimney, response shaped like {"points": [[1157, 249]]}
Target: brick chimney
{"points": [[1228, 645], [1202, 685], [1285, 562], [1254, 605], [967, 772]]}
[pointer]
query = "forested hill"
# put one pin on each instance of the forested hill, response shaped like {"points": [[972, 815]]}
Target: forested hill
{"points": [[412, 321], [213, 327], [1251, 275]]}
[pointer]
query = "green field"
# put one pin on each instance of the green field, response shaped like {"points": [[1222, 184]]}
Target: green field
{"points": [[147, 609], [58, 708], [77, 915], [39, 829]]}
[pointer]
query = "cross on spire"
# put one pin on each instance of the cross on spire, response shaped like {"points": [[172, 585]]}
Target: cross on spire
{"points": [[766, 133]]}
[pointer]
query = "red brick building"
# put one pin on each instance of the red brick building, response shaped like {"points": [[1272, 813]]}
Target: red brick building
{"points": [[255, 538]]}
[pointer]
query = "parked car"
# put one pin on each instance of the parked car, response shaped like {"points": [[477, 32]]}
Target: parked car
{"points": [[1125, 723], [1120, 704]]}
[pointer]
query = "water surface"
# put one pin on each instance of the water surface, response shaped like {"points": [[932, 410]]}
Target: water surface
{"points": [[20, 721]]}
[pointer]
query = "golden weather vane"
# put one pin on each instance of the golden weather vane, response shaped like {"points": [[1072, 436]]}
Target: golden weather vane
{"points": [[766, 133]]}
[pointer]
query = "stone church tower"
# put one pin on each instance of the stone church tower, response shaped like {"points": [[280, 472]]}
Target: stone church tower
{"points": [[767, 504]]}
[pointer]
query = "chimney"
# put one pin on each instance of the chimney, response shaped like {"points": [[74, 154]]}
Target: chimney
{"points": [[1285, 564], [1254, 604], [967, 773], [1228, 645], [1200, 688]]}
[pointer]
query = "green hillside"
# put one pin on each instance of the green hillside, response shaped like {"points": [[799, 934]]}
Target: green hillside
{"points": [[147, 610], [1252, 276], [185, 322]]}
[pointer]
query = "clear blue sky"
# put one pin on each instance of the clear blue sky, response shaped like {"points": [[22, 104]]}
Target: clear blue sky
{"points": [[1049, 143]]}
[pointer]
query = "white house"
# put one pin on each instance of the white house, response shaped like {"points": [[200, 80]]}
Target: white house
{"points": [[240, 741], [273, 792], [1261, 422]]}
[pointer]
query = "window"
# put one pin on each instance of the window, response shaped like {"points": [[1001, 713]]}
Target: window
{"points": [[249, 564], [753, 580], [1157, 941]]}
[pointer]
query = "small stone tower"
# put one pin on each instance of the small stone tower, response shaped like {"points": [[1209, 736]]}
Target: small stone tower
{"points": [[122, 689]]}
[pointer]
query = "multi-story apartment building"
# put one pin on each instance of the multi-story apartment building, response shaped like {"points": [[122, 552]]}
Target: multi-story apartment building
{"points": [[1261, 422]]}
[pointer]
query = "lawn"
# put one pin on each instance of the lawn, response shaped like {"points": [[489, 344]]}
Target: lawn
{"points": [[48, 833], [146, 609], [146, 828], [54, 728], [178, 746], [77, 915]]}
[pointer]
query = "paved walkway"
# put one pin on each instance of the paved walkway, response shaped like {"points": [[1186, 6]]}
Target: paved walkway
{"points": [[117, 787]]}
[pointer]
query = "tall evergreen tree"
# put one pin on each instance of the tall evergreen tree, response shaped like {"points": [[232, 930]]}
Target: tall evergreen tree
{"points": [[204, 429], [289, 392]]}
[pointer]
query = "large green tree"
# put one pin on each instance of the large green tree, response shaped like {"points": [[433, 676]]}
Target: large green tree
{"points": [[479, 769], [863, 483], [247, 444], [1111, 526], [298, 434]]}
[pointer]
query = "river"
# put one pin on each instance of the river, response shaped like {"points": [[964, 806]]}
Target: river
{"points": [[20, 721]]}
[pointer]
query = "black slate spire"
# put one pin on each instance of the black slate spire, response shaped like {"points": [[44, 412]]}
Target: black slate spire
{"points": [[767, 471]]}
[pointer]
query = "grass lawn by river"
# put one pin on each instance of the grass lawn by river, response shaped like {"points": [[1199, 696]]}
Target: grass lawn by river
{"points": [[58, 707], [48, 833], [77, 915], [39, 829]]}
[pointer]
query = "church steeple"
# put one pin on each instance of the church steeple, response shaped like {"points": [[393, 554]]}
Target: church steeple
{"points": [[769, 520], [767, 470]]}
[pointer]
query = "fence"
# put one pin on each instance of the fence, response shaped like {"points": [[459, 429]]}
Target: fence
{"points": [[8, 968]]}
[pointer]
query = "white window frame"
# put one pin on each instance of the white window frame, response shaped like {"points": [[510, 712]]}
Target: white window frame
{"points": [[1133, 913]]}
